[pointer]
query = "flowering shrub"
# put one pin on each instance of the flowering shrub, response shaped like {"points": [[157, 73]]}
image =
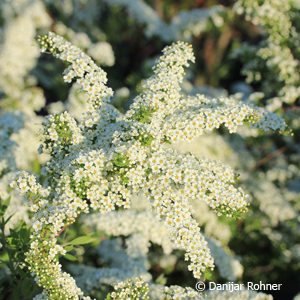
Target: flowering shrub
{"points": [[127, 185], [105, 158]]}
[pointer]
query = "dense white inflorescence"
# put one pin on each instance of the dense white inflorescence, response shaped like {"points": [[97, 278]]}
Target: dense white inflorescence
{"points": [[131, 289], [17, 210], [91, 78], [18, 52], [143, 227], [133, 222], [102, 160], [122, 265], [100, 51], [229, 267], [19, 99], [275, 60]]}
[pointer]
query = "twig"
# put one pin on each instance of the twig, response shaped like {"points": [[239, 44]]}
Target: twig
{"points": [[268, 157], [66, 226], [291, 108], [158, 8], [63, 229]]}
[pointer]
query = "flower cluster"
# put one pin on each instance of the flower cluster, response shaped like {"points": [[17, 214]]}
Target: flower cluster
{"points": [[91, 78], [101, 161], [274, 204], [143, 227], [18, 98], [47, 221], [177, 292], [277, 53], [78, 15], [270, 13], [183, 26], [18, 54], [61, 133], [130, 289], [130, 222], [229, 268], [121, 264], [10, 123], [101, 52]]}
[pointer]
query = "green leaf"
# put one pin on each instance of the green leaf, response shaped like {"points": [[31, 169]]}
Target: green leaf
{"points": [[81, 240], [147, 140], [7, 220], [70, 257], [69, 248], [161, 279], [124, 179], [36, 166], [207, 275], [121, 161], [3, 206]]}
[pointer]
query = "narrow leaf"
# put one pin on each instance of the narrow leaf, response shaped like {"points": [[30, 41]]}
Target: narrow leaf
{"points": [[81, 240], [70, 257]]}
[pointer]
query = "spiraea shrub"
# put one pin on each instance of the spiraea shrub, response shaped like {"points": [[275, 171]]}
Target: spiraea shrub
{"points": [[98, 163]]}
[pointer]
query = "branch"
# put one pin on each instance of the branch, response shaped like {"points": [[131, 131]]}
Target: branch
{"points": [[268, 157], [66, 226], [291, 108], [158, 8]]}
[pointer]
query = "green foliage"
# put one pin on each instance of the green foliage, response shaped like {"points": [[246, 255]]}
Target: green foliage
{"points": [[161, 279], [70, 257], [82, 240], [144, 115], [121, 161], [17, 279], [146, 140], [207, 275]]}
